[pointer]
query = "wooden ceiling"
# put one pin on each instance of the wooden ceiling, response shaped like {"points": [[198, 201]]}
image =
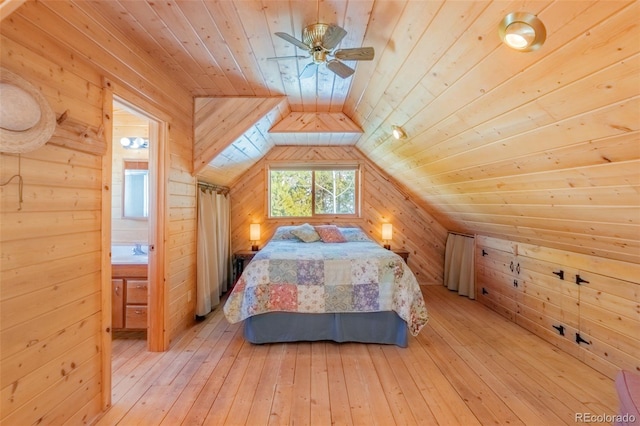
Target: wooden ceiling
{"points": [[540, 147]]}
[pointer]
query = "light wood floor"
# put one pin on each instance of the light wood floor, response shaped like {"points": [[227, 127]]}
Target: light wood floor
{"points": [[468, 366]]}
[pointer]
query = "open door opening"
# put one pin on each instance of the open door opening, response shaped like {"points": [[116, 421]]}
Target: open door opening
{"points": [[137, 233]]}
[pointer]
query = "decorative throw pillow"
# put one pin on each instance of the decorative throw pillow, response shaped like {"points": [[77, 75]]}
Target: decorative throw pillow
{"points": [[306, 233], [330, 234], [354, 234], [284, 233]]}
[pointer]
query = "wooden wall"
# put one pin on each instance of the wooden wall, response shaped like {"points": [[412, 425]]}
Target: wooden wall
{"points": [[52, 328], [382, 200], [560, 295]]}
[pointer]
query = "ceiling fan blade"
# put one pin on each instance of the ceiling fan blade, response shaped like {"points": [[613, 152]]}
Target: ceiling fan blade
{"points": [[293, 40], [333, 36], [275, 58], [339, 68], [309, 70], [355, 54]]}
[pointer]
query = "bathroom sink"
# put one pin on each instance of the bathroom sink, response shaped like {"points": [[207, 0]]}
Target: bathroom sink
{"points": [[121, 254]]}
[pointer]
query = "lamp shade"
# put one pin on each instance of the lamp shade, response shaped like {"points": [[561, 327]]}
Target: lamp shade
{"points": [[254, 231], [387, 231]]}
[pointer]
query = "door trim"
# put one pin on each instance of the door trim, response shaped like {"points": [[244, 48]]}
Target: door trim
{"points": [[157, 337]]}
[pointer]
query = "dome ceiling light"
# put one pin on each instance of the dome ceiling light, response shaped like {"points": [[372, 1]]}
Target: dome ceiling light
{"points": [[398, 132], [522, 31]]}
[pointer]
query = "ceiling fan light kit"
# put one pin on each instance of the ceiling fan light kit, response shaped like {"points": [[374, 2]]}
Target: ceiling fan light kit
{"points": [[522, 31], [320, 40]]}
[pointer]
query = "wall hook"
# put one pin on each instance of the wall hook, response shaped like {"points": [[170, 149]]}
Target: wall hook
{"points": [[560, 274], [560, 329], [484, 291], [484, 253]]}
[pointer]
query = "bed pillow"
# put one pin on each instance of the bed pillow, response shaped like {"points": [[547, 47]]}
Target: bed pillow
{"points": [[354, 234], [284, 233], [330, 234], [306, 233]]}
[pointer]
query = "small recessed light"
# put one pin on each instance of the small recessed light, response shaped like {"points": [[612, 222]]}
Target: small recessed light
{"points": [[522, 31], [398, 132]]}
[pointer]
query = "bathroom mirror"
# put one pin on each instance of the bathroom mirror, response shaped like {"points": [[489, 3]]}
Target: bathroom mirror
{"points": [[135, 191]]}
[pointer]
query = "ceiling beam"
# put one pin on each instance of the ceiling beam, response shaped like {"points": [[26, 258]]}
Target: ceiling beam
{"points": [[218, 122]]}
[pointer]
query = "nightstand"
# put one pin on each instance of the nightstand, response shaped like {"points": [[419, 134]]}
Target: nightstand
{"points": [[240, 259], [404, 254]]}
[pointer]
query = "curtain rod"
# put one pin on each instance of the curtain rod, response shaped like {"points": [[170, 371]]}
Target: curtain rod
{"points": [[219, 189], [461, 234]]}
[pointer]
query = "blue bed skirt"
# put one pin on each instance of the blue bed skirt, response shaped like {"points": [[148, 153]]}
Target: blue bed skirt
{"points": [[363, 327]]}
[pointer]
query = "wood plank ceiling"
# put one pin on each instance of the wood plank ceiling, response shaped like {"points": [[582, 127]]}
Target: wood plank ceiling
{"points": [[540, 147]]}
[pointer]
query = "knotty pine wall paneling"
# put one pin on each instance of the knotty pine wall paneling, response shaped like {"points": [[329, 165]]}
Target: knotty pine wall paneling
{"points": [[51, 245], [382, 200]]}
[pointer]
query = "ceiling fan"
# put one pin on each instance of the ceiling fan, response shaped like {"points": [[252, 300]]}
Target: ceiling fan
{"points": [[319, 40]]}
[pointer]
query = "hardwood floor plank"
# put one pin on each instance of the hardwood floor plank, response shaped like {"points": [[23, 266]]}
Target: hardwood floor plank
{"points": [[200, 379], [222, 386], [301, 401], [469, 366], [397, 399], [439, 394], [406, 385], [260, 411], [361, 412], [283, 393], [338, 396], [320, 401]]}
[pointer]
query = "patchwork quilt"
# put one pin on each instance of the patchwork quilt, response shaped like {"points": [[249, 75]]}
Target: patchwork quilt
{"points": [[289, 275]]}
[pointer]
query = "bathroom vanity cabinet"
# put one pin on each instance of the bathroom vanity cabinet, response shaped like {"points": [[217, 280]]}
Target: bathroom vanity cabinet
{"points": [[129, 295]]}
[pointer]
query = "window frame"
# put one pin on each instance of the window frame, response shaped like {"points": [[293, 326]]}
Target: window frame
{"points": [[313, 167]]}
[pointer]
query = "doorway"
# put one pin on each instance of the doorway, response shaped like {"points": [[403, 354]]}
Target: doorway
{"points": [[137, 285]]}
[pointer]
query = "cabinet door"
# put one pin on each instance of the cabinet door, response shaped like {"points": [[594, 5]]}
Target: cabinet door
{"points": [[496, 283], [117, 303]]}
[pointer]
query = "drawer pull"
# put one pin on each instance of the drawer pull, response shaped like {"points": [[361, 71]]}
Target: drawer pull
{"points": [[141, 286], [138, 312], [560, 274]]}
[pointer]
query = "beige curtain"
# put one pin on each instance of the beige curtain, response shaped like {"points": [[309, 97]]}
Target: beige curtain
{"points": [[213, 260], [459, 265]]}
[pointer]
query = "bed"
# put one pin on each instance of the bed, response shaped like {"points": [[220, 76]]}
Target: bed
{"points": [[326, 283]]}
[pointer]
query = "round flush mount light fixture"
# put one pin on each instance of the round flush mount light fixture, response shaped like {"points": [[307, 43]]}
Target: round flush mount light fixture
{"points": [[398, 132], [522, 31]]}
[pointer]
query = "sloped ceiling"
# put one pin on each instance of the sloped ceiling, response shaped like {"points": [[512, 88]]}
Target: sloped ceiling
{"points": [[540, 147]]}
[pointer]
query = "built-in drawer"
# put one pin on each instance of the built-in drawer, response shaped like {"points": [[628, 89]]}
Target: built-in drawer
{"points": [[137, 291], [136, 316]]}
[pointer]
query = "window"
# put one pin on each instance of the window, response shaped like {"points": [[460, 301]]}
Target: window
{"points": [[308, 191]]}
